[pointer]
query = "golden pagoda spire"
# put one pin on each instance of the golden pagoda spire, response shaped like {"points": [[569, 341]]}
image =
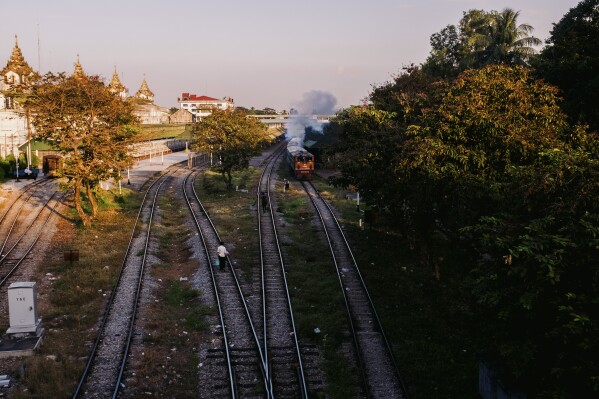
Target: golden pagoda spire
{"points": [[115, 85], [17, 71], [78, 73], [17, 56], [144, 91]]}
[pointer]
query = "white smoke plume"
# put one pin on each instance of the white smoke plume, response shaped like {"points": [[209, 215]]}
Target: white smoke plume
{"points": [[315, 102]]}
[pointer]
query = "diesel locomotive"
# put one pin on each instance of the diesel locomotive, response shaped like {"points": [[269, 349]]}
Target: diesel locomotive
{"points": [[300, 161]]}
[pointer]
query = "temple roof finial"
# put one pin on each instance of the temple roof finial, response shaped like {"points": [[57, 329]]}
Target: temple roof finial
{"points": [[17, 64], [115, 85], [144, 91], [78, 72]]}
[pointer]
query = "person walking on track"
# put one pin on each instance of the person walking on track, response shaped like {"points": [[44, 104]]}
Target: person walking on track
{"points": [[264, 201], [222, 255]]}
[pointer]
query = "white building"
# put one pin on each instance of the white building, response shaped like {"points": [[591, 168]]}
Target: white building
{"points": [[14, 78], [145, 109], [17, 77], [202, 106], [151, 114]]}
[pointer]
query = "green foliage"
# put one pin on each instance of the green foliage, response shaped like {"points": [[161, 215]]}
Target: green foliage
{"points": [[488, 161], [481, 38], [502, 41], [87, 124], [232, 138], [445, 55], [367, 148], [9, 165], [571, 60]]}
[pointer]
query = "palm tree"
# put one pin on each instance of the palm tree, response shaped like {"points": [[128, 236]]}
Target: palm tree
{"points": [[503, 41]]}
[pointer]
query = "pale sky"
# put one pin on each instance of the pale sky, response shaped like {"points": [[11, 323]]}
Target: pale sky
{"points": [[262, 53]]}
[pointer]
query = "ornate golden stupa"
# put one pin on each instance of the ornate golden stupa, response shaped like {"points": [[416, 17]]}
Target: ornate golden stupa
{"points": [[144, 92], [78, 73], [17, 72], [115, 86]]}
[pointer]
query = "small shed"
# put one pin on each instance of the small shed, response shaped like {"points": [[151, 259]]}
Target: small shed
{"points": [[180, 116]]}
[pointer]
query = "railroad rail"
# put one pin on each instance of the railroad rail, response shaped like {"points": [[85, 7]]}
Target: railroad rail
{"points": [[102, 375], [22, 230], [282, 348], [236, 367], [23, 192], [380, 372]]}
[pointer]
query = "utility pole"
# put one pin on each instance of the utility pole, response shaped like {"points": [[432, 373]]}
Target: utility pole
{"points": [[28, 139]]}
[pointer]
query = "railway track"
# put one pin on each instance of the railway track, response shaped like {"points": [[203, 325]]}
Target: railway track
{"points": [[380, 373], [235, 365], [27, 191], [24, 204], [23, 223], [280, 341], [105, 366]]}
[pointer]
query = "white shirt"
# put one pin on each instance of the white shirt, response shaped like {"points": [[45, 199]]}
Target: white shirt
{"points": [[222, 251]]}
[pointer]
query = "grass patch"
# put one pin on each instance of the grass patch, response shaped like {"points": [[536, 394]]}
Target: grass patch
{"points": [[174, 324], [233, 213], [183, 296], [157, 132], [314, 285], [72, 296], [316, 293]]}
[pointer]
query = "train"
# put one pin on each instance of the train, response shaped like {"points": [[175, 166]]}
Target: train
{"points": [[52, 165], [300, 161]]}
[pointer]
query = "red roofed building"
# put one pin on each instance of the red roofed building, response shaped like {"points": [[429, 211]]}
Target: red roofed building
{"points": [[202, 106]]}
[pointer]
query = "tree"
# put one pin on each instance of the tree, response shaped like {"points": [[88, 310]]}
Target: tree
{"points": [[458, 161], [446, 53], [481, 38], [539, 275], [244, 110], [490, 160], [503, 41], [232, 137], [90, 126], [365, 148], [571, 61], [370, 146], [447, 151]]}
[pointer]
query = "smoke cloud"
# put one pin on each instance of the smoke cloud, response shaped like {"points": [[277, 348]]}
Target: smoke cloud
{"points": [[315, 102]]}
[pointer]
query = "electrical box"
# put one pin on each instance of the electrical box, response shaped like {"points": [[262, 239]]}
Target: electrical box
{"points": [[22, 308]]}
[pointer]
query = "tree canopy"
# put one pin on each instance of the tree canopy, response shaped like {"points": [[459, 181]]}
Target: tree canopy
{"points": [[473, 152], [488, 161], [481, 38], [503, 41], [571, 62], [231, 137], [90, 127]]}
